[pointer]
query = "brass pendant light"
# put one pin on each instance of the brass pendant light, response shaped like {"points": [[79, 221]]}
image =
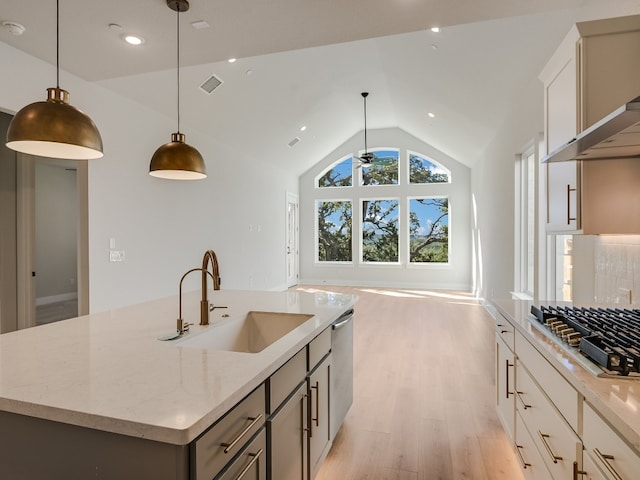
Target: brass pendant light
{"points": [[177, 160], [55, 128]]}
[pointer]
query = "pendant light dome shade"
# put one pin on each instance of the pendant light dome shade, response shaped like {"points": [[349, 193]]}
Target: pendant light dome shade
{"points": [[177, 160], [54, 129]]}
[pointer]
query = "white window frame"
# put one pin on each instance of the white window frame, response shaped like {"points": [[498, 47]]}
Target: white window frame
{"points": [[361, 228], [408, 235]]}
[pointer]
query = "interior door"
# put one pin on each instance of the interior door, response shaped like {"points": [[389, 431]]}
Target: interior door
{"points": [[293, 271]]}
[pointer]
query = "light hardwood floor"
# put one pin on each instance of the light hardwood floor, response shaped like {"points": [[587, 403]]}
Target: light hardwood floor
{"points": [[424, 391]]}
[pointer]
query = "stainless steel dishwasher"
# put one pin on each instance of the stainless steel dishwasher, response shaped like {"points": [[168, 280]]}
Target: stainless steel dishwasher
{"points": [[341, 370]]}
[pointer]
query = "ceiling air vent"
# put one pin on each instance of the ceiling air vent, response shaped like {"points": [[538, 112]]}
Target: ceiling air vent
{"points": [[210, 84], [294, 141]]}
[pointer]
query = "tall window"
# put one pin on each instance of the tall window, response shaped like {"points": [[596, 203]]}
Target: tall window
{"points": [[429, 230], [334, 231], [380, 231], [525, 260]]}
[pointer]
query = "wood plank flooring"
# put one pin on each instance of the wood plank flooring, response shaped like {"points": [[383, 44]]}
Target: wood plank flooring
{"points": [[424, 391]]}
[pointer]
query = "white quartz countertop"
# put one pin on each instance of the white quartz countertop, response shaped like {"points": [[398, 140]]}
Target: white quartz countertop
{"points": [[616, 399], [108, 371]]}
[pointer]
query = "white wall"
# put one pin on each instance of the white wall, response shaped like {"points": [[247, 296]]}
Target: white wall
{"points": [[164, 227], [492, 185], [492, 180], [455, 275]]}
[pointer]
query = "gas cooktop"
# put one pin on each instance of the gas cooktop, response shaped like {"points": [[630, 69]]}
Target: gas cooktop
{"points": [[607, 337]]}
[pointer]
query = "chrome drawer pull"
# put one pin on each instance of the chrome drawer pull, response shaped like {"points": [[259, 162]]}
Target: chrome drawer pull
{"points": [[543, 437], [250, 464], [234, 442], [524, 464], [604, 458]]}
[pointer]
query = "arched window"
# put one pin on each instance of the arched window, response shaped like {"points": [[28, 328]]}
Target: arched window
{"points": [[340, 174], [383, 169], [426, 170]]}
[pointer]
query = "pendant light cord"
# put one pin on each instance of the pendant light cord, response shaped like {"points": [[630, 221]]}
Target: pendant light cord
{"points": [[178, 62], [58, 43], [365, 125]]}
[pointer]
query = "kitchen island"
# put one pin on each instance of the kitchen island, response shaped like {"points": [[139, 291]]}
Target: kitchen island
{"points": [[595, 419], [107, 377]]}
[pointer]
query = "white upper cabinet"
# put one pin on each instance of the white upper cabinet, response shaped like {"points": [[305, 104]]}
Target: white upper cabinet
{"points": [[594, 71]]}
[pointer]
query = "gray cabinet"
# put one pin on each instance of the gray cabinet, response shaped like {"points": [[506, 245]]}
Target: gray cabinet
{"points": [[218, 446], [319, 441], [251, 463], [287, 431]]}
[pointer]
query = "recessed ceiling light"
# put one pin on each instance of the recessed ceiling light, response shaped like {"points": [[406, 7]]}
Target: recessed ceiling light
{"points": [[431, 115], [435, 29], [133, 39], [232, 60], [303, 128], [116, 27]]}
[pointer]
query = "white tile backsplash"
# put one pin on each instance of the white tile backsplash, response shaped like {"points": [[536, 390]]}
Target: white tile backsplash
{"points": [[617, 270]]}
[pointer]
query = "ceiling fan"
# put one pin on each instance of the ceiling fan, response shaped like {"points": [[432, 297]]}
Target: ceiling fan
{"points": [[366, 158]]}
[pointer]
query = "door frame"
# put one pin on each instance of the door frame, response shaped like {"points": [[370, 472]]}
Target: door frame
{"points": [[26, 235], [292, 240]]}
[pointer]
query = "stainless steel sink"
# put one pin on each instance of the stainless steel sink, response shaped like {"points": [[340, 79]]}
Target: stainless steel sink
{"points": [[249, 334]]}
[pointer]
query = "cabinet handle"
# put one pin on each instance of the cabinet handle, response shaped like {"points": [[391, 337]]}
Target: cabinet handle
{"points": [[234, 442], [250, 464], [569, 217], [524, 464], [519, 396], [506, 383], [577, 472], [308, 419], [604, 458], [543, 438], [317, 389]]}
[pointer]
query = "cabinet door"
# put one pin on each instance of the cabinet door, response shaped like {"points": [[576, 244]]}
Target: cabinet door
{"points": [[287, 431], [505, 382], [561, 125], [319, 415]]}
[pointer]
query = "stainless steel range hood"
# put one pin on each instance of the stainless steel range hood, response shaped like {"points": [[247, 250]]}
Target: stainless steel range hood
{"points": [[615, 136]]}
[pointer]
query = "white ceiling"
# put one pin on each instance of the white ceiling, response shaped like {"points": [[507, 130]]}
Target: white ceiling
{"points": [[308, 62]]}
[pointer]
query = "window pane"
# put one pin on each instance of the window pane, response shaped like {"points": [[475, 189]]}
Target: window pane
{"points": [[339, 175], [380, 231], [429, 230], [423, 170], [334, 231], [383, 169]]}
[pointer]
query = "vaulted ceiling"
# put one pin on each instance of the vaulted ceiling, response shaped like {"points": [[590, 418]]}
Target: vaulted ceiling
{"points": [[305, 62]]}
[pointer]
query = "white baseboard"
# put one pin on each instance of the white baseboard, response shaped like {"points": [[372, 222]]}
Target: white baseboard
{"points": [[63, 297]]}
